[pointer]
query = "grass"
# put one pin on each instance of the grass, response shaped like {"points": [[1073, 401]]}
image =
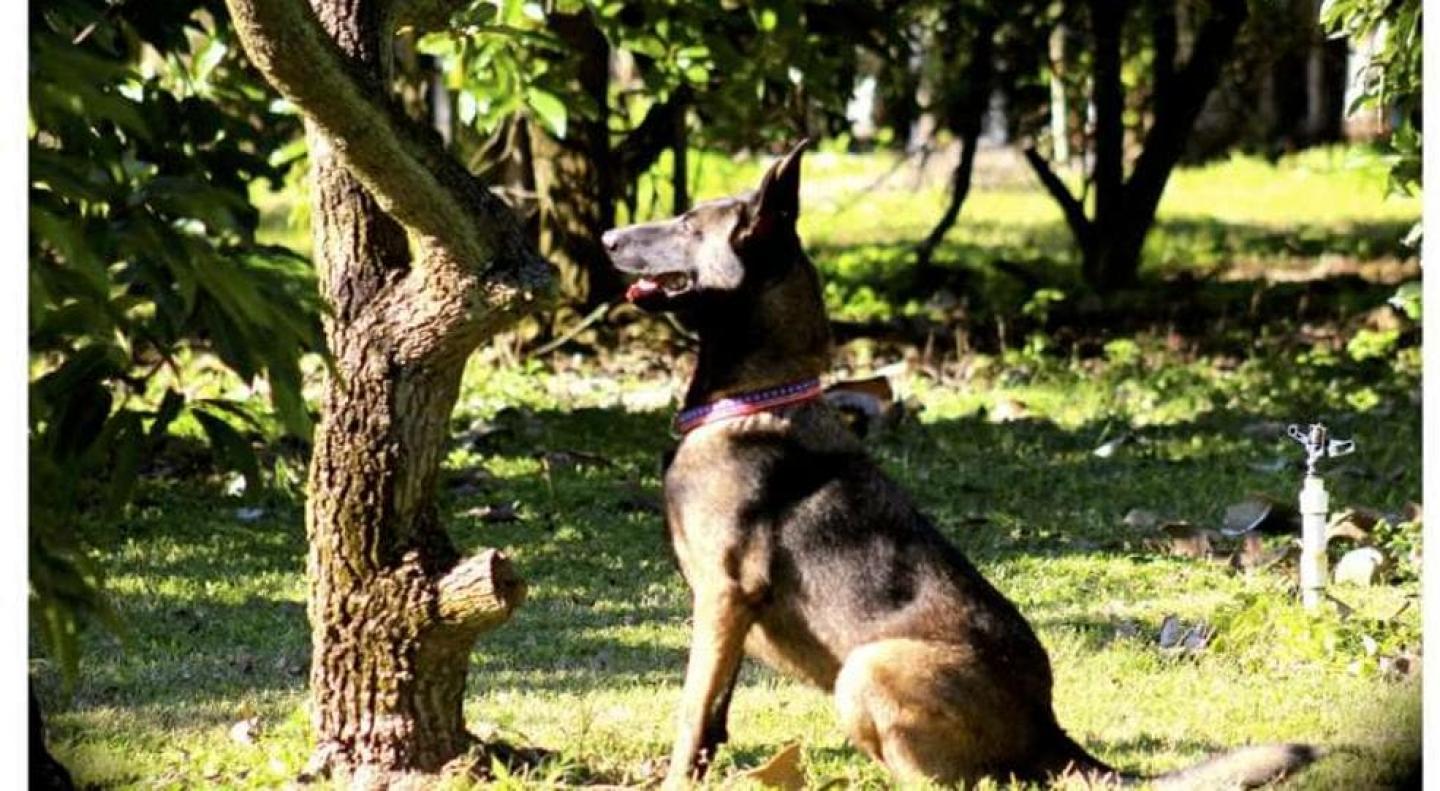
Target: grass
{"points": [[591, 665]]}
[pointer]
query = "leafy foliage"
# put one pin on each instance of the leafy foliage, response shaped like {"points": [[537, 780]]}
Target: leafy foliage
{"points": [[1390, 82], [756, 71], [146, 130]]}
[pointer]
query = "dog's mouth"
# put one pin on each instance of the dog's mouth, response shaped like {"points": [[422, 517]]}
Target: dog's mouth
{"points": [[667, 285]]}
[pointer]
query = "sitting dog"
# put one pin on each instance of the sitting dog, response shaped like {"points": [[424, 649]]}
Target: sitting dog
{"points": [[803, 554]]}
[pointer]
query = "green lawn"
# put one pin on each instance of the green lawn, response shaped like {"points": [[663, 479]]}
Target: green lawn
{"points": [[590, 667]]}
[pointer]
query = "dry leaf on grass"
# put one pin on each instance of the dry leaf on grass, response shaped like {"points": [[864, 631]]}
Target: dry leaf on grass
{"points": [[497, 513], [783, 770], [1188, 541], [1258, 512]]}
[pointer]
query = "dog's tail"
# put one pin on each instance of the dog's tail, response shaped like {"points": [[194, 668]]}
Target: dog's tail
{"points": [[1244, 767]]}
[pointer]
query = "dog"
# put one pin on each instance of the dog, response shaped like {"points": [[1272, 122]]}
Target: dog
{"points": [[802, 553]]}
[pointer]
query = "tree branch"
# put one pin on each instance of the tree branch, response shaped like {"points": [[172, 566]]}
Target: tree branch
{"points": [[1164, 142], [1074, 211], [647, 141], [404, 165]]}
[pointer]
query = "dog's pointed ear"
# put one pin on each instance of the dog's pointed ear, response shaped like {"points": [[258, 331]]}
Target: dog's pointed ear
{"points": [[775, 206]]}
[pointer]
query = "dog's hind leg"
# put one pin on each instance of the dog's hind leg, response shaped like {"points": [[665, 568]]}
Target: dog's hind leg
{"points": [[928, 710]]}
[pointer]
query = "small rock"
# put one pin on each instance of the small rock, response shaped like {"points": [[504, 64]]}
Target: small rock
{"points": [[1360, 567], [1008, 410], [245, 731], [1140, 519], [248, 515], [235, 484], [1109, 449]]}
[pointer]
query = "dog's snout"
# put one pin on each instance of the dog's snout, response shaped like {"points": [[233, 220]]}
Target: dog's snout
{"points": [[611, 240]]}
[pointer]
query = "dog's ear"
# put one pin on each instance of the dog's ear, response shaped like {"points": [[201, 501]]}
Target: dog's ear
{"points": [[775, 206]]}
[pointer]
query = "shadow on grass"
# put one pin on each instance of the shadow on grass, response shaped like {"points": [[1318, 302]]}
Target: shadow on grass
{"points": [[606, 599]]}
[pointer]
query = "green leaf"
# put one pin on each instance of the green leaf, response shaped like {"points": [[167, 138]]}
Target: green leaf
{"points": [[549, 109], [231, 448]]}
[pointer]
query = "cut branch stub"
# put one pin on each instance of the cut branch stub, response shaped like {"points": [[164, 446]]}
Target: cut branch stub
{"points": [[479, 593]]}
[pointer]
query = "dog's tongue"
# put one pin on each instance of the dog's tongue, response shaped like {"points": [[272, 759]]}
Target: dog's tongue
{"points": [[641, 288]]}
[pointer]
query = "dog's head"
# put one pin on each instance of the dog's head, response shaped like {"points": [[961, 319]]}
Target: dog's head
{"points": [[718, 248]]}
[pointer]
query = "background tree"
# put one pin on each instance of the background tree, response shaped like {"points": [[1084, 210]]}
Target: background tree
{"points": [[1390, 80], [418, 262], [1111, 237], [147, 131], [600, 90], [978, 50]]}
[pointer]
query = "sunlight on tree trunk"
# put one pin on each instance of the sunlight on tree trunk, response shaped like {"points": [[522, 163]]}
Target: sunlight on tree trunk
{"points": [[419, 263]]}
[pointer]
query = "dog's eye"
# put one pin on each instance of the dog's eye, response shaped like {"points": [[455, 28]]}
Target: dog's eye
{"points": [[688, 226]]}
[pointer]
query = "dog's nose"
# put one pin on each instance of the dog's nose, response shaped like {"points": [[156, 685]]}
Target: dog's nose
{"points": [[610, 239]]}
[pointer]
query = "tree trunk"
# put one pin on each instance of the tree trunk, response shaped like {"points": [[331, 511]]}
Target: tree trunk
{"points": [[418, 262], [574, 178], [1099, 263], [680, 177], [966, 117], [46, 773], [1059, 106], [1111, 241]]}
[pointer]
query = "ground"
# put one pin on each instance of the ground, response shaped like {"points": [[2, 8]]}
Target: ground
{"points": [[555, 460]]}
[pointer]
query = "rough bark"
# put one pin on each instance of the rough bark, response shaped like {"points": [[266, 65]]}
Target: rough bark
{"points": [[394, 609], [1111, 240]]}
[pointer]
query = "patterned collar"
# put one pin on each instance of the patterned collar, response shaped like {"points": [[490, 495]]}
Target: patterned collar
{"points": [[747, 404]]}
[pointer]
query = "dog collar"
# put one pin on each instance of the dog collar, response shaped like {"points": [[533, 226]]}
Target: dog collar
{"points": [[747, 404]]}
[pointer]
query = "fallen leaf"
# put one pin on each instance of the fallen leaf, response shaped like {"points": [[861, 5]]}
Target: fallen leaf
{"points": [[1171, 630], [1189, 541], [1413, 513], [1264, 429], [1272, 466], [1396, 667], [557, 460], [1251, 553], [1352, 524], [1257, 512], [1108, 449], [497, 513], [1176, 637], [783, 770]]}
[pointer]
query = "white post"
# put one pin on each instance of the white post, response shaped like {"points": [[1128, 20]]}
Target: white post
{"points": [[1314, 514]]}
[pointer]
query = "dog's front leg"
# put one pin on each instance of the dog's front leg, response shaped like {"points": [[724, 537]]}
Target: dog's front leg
{"points": [[721, 620]]}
